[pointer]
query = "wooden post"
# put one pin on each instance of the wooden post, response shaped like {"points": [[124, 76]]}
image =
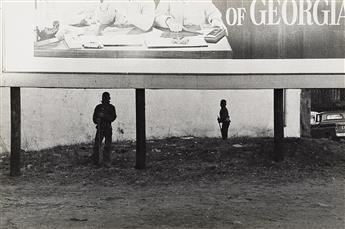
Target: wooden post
{"points": [[15, 132], [140, 129], [305, 108], [278, 124]]}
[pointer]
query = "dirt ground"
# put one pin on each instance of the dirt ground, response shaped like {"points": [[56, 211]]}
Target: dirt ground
{"points": [[188, 183]]}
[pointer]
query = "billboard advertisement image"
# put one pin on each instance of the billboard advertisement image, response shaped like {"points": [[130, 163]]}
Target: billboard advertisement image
{"points": [[174, 36]]}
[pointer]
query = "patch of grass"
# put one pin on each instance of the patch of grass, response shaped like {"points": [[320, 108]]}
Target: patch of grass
{"points": [[185, 159]]}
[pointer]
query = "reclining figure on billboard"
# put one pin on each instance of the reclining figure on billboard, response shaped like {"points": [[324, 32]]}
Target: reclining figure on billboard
{"points": [[104, 13]]}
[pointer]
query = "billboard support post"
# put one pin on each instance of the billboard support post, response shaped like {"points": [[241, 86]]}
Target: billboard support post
{"points": [[140, 129], [15, 131], [278, 99]]}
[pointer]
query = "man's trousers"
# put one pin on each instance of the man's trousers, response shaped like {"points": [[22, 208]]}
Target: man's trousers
{"points": [[100, 135]]}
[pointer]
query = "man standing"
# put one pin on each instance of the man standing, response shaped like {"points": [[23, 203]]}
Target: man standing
{"points": [[103, 116]]}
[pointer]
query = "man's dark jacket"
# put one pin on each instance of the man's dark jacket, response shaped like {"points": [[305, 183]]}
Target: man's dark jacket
{"points": [[109, 115]]}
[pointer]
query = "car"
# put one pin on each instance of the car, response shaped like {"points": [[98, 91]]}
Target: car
{"points": [[328, 124]]}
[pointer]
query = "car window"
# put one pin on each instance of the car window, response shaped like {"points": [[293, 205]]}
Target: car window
{"points": [[333, 117]]}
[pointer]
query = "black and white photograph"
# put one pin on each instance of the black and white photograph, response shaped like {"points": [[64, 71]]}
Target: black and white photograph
{"points": [[172, 114]]}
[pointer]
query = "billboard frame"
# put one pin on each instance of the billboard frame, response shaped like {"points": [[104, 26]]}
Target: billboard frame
{"points": [[206, 74]]}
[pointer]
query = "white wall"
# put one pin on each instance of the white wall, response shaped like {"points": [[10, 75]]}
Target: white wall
{"points": [[63, 116]]}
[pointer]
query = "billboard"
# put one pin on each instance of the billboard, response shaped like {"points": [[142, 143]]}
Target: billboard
{"points": [[174, 36]]}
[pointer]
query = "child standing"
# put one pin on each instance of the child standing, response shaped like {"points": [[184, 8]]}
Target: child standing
{"points": [[224, 118]]}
